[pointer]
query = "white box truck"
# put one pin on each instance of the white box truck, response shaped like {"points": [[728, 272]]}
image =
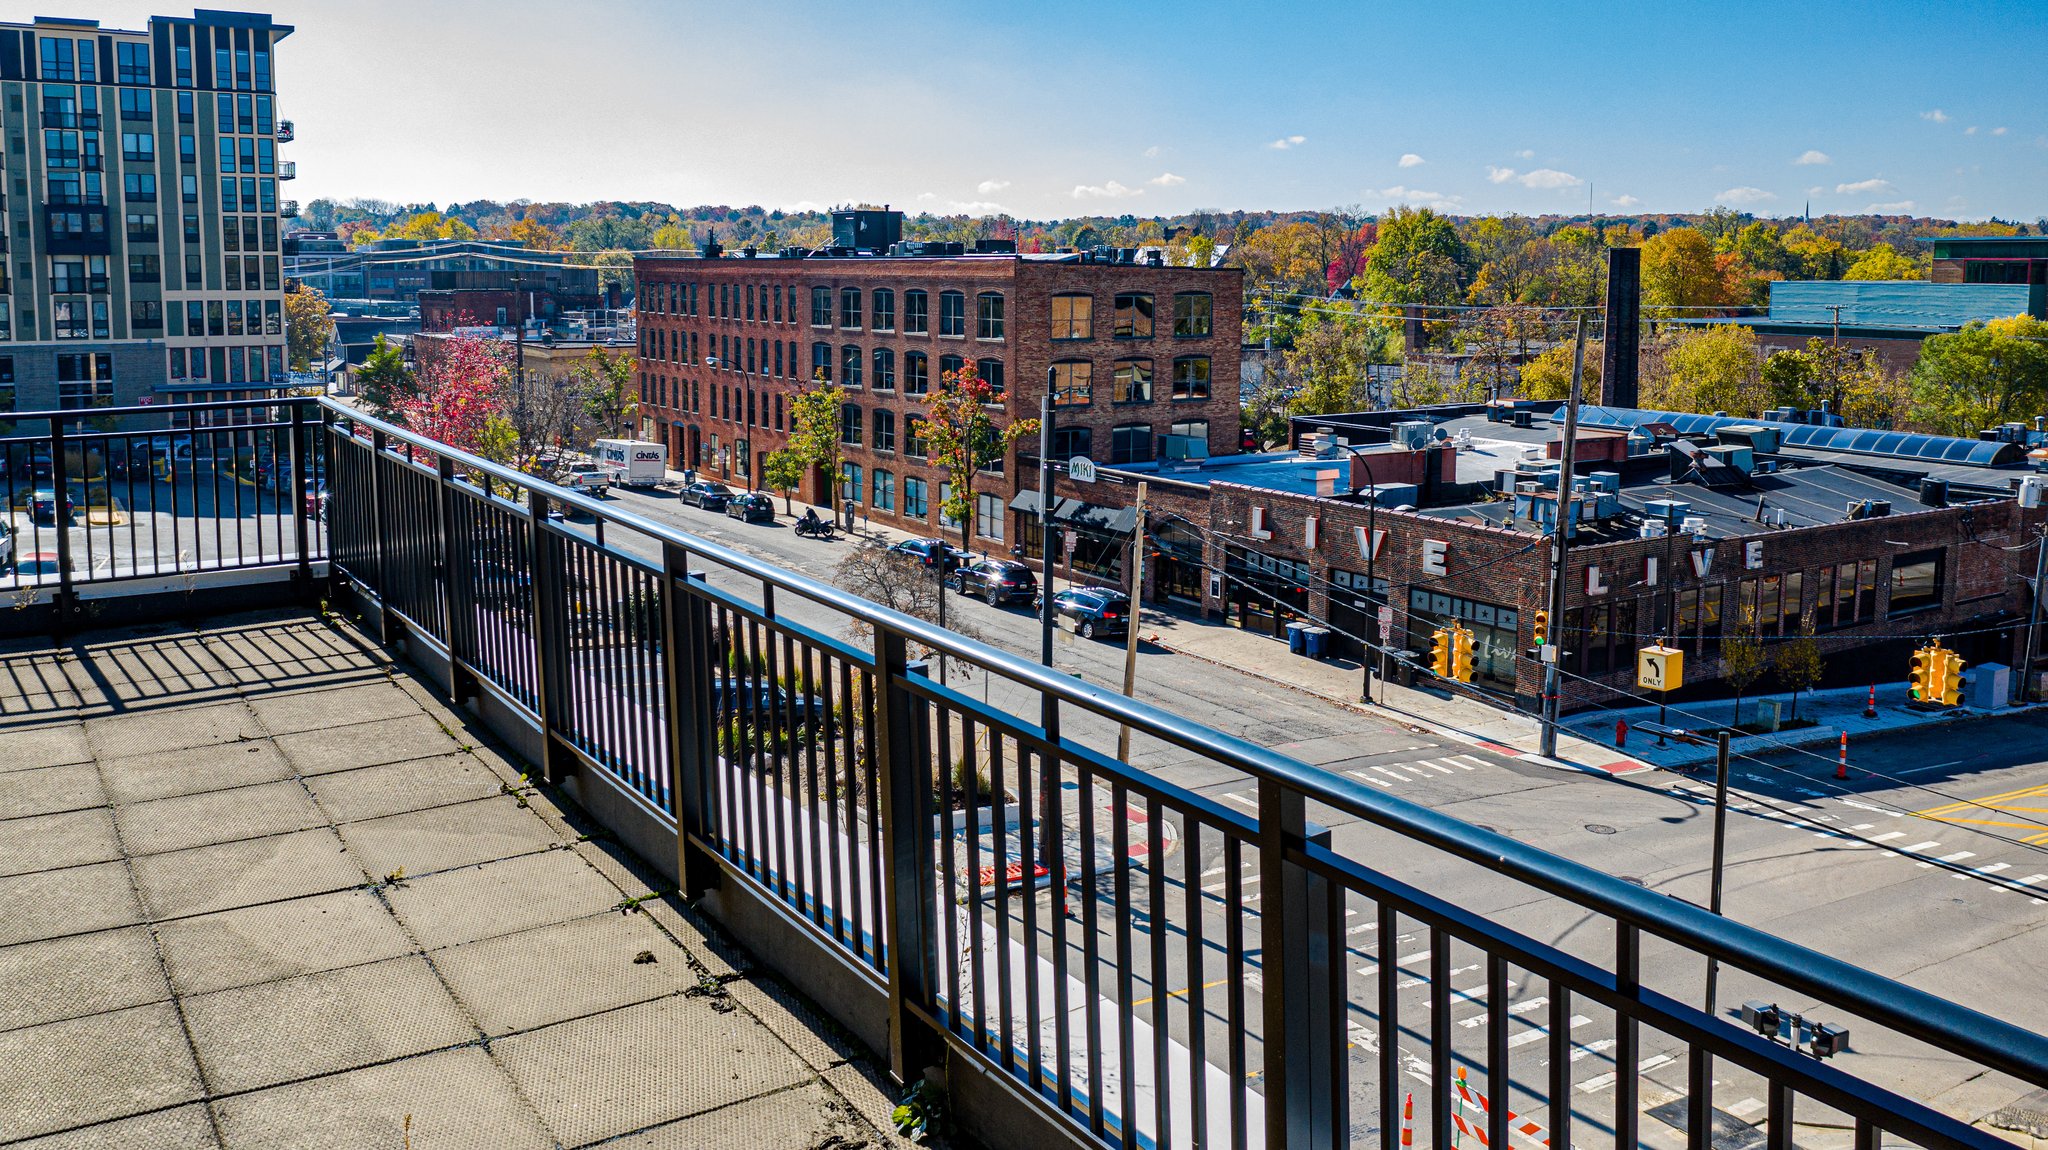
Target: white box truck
{"points": [[632, 462]]}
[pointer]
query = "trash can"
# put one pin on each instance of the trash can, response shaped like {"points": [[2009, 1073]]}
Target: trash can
{"points": [[1296, 643], [1317, 641], [1403, 668]]}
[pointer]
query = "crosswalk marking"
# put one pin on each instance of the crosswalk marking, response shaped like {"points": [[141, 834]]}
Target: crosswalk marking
{"points": [[1368, 778], [1478, 1020], [1918, 847], [1536, 1035], [1473, 994], [1391, 773], [1603, 1081], [1888, 836], [2030, 880], [1411, 983], [1958, 856], [1981, 871], [1583, 1050], [1746, 1107], [1233, 796]]}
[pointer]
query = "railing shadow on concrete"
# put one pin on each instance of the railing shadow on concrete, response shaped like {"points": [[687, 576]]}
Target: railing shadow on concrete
{"points": [[1081, 951]]}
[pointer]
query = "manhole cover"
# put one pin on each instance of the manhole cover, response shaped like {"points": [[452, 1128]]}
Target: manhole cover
{"points": [[1600, 828]]}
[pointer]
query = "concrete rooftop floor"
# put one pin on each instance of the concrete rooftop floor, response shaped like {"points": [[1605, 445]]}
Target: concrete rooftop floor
{"points": [[261, 888]]}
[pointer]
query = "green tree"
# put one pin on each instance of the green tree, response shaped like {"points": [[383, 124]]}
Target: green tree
{"points": [[499, 440], [610, 387], [1856, 386], [814, 435], [1800, 663], [1743, 658], [1981, 376], [308, 327], [1882, 262], [1714, 367], [964, 432], [783, 471], [1549, 375], [383, 381], [1680, 271], [1328, 364], [1417, 259]]}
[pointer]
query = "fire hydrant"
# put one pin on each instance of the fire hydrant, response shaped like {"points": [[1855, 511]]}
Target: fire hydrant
{"points": [[1620, 733]]}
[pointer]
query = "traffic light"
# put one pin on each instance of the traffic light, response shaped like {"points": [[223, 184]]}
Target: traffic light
{"points": [[1440, 653], [1920, 678], [1951, 691], [1542, 627], [1461, 655]]}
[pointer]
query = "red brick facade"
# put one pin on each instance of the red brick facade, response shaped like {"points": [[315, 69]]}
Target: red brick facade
{"points": [[755, 316]]}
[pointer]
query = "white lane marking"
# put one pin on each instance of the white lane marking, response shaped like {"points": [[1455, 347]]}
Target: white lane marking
{"points": [[1888, 836], [1473, 994], [1537, 1034], [1603, 1081], [1363, 927], [1437, 767], [1393, 774], [2030, 880], [1212, 872], [1368, 778], [1949, 858], [1405, 959], [1873, 810], [1581, 1051], [1981, 871], [1518, 1008], [1916, 848], [1746, 1107], [1411, 983], [1862, 826], [1233, 796]]}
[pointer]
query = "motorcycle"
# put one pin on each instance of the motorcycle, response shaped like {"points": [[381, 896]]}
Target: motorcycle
{"points": [[812, 527]]}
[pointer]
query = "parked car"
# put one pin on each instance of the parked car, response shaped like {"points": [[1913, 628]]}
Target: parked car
{"points": [[707, 495], [6, 545], [45, 507], [751, 699], [999, 581], [587, 477], [39, 563], [928, 551], [752, 507], [1093, 612], [316, 500]]}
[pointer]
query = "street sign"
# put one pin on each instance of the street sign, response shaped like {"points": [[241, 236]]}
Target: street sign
{"points": [[1386, 624], [1660, 668], [1081, 469]]}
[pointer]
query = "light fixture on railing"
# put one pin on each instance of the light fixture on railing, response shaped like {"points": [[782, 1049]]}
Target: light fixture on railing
{"points": [[1820, 1039]]}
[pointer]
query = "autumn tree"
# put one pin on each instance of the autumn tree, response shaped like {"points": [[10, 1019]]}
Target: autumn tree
{"points": [[1882, 262], [1328, 367], [1705, 368], [1418, 259], [459, 390], [535, 235], [308, 327], [964, 431], [1984, 375], [814, 435], [1680, 271], [1854, 385], [783, 471], [608, 384], [384, 381], [1549, 375], [1800, 662]]}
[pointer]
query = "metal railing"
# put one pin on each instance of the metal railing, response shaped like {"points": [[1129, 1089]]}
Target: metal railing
{"points": [[1145, 963]]}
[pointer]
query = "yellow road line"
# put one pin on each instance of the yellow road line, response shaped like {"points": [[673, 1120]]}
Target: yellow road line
{"points": [[2021, 793], [1178, 993]]}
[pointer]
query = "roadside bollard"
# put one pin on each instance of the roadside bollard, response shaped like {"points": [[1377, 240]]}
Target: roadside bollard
{"points": [[1620, 733], [1870, 708], [1842, 762]]}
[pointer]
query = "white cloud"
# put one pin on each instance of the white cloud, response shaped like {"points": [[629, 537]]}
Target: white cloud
{"points": [[973, 208], [1499, 175], [1550, 178], [1937, 115], [1286, 142], [1744, 195], [1970, 131], [1410, 160], [1624, 201], [1998, 131], [926, 197], [1815, 190], [1864, 187], [1400, 195], [1152, 152], [987, 186], [1526, 154], [1891, 208], [1108, 191], [1168, 179], [1811, 156]]}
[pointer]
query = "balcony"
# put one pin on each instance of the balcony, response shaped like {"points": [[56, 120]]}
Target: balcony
{"points": [[285, 132], [936, 840], [288, 209], [287, 169], [74, 229], [86, 121]]}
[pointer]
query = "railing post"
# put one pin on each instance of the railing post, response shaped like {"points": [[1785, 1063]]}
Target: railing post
{"points": [[458, 585], [60, 484], [550, 643], [910, 894], [304, 575], [1307, 1090], [387, 628], [686, 672]]}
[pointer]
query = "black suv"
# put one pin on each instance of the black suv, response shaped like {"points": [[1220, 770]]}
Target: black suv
{"points": [[999, 581], [707, 495], [1093, 612], [753, 507], [927, 552]]}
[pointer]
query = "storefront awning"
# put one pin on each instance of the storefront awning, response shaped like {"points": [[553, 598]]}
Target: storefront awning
{"points": [[1092, 518]]}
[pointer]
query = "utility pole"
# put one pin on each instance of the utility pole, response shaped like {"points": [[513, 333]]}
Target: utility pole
{"points": [[1720, 849], [1560, 542], [1123, 738], [2026, 667], [1046, 407]]}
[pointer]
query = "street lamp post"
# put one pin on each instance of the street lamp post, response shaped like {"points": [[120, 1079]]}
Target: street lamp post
{"points": [[725, 471], [1372, 546], [1046, 406]]}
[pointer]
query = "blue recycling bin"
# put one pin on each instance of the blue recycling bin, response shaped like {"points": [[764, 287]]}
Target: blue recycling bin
{"points": [[1297, 644], [1316, 640]]}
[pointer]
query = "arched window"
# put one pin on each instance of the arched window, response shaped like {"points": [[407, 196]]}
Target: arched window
{"points": [[884, 378], [850, 358], [952, 313], [916, 312], [988, 321]]}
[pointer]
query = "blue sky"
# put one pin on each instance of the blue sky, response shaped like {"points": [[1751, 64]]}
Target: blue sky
{"points": [[1057, 108]]}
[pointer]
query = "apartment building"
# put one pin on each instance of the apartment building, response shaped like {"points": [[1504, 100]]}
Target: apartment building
{"points": [[139, 185], [1142, 359]]}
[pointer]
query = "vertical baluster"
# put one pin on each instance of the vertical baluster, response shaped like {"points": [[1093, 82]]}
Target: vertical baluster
{"points": [[1234, 955], [1498, 1081], [1197, 1011], [1628, 958], [1389, 1023], [1091, 951], [1156, 919], [1439, 1033], [1560, 1063]]}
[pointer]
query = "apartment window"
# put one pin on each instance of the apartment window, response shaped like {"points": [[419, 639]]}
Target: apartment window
{"points": [[1130, 443], [131, 62], [1191, 377], [914, 498], [885, 490], [883, 309], [916, 312], [850, 358], [1073, 317], [1132, 381], [1067, 442], [1916, 581], [142, 227], [884, 378], [1134, 315], [849, 424], [184, 107], [188, 149], [885, 430], [228, 203], [67, 276], [850, 482], [913, 437], [234, 273], [1073, 382], [916, 373], [216, 318], [952, 313], [85, 380], [145, 313], [56, 60], [234, 317], [135, 103], [988, 516], [949, 368], [821, 362], [1196, 429], [1191, 313], [988, 315], [188, 188], [71, 318], [821, 307], [849, 309], [191, 228], [991, 373], [181, 59], [145, 269]]}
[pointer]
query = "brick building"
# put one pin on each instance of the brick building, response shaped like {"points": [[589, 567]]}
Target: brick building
{"points": [[1143, 359]]}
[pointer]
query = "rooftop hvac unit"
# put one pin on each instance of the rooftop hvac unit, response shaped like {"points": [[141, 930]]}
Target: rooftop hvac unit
{"points": [[1412, 434], [1524, 418], [1694, 525], [1934, 493], [2030, 492]]}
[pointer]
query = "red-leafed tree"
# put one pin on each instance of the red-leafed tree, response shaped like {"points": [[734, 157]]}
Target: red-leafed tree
{"points": [[460, 387], [964, 433]]}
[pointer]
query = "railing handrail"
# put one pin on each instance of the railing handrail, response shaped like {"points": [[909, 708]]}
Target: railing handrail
{"points": [[1992, 1042]]}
